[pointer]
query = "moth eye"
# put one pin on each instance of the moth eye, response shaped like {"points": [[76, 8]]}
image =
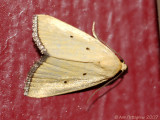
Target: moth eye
{"points": [[87, 48], [65, 82], [84, 74], [121, 60], [71, 36]]}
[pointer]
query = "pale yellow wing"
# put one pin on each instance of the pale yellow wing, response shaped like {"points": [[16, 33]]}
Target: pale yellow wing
{"points": [[56, 76], [64, 41]]}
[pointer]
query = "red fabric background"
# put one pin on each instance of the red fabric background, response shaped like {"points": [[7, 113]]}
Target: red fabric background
{"points": [[127, 26]]}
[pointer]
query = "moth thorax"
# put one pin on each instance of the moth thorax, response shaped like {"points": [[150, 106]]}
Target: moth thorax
{"points": [[111, 64]]}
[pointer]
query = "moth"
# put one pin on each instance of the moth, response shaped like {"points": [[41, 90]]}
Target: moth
{"points": [[72, 60]]}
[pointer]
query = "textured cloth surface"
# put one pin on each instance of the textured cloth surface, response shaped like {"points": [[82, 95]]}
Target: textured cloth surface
{"points": [[127, 26]]}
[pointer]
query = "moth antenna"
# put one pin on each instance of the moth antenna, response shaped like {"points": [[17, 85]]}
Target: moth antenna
{"points": [[93, 30], [95, 36], [110, 81], [116, 53]]}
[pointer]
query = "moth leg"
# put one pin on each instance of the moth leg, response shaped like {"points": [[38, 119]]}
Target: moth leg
{"points": [[93, 30]]}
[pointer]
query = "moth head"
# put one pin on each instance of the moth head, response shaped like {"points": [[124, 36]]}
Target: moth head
{"points": [[124, 66]]}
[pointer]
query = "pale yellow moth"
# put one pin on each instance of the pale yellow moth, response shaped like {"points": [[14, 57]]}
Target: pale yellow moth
{"points": [[72, 60]]}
